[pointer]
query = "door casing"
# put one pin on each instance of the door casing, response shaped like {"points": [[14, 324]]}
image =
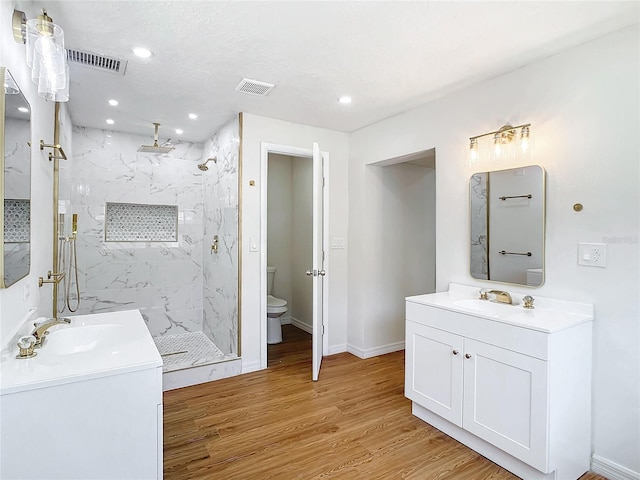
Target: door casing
{"points": [[265, 150]]}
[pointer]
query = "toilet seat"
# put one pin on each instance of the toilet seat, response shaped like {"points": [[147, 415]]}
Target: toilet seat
{"points": [[276, 305]]}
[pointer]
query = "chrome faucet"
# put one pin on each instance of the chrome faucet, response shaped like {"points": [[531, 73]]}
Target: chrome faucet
{"points": [[502, 296], [42, 328]]}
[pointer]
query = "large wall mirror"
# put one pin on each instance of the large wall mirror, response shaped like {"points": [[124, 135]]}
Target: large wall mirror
{"points": [[15, 182], [507, 225]]}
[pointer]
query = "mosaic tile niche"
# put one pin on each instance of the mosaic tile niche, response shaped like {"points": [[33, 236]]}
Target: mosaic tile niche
{"points": [[131, 222], [17, 221]]}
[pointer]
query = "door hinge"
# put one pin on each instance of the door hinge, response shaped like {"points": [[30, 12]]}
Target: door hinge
{"points": [[322, 182], [323, 257]]}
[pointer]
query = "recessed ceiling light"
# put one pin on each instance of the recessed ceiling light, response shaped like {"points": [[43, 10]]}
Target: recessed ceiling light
{"points": [[23, 109], [193, 116], [345, 99], [179, 132], [113, 102], [142, 52], [110, 121]]}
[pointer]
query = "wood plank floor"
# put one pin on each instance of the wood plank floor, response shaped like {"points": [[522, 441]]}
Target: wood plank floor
{"points": [[355, 423]]}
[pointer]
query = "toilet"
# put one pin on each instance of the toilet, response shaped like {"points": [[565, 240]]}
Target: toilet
{"points": [[276, 307]]}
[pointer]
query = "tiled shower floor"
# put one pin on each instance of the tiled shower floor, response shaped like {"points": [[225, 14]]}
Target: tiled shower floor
{"points": [[186, 350]]}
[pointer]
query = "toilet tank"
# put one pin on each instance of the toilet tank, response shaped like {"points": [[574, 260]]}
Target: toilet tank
{"points": [[271, 272]]}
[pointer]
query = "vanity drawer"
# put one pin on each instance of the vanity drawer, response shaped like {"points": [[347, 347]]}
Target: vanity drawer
{"points": [[519, 339]]}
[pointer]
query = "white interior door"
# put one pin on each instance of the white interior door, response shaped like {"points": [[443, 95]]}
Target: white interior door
{"points": [[317, 270]]}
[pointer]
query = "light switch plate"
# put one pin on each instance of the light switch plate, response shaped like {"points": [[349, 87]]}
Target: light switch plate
{"points": [[253, 244], [592, 254], [337, 242]]}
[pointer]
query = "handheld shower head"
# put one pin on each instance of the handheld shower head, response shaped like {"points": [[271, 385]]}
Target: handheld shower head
{"points": [[203, 166]]}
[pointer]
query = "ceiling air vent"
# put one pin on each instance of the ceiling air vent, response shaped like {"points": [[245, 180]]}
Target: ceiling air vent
{"points": [[254, 87], [97, 61]]}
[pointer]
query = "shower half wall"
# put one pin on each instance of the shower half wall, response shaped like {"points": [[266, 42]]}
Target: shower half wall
{"points": [[165, 280]]}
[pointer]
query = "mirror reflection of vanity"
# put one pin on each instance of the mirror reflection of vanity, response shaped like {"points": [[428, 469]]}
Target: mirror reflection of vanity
{"points": [[15, 181], [507, 210]]}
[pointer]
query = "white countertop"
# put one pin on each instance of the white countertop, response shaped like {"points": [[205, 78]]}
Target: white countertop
{"points": [[548, 316], [122, 344]]}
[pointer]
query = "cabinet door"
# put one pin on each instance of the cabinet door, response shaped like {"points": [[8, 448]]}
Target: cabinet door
{"points": [[505, 401], [433, 376]]}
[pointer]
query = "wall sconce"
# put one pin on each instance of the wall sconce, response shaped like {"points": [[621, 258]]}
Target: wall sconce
{"points": [[502, 138], [46, 55]]}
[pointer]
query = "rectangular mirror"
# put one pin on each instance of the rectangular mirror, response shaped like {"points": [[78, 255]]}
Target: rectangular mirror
{"points": [[507, 225], [15, 182]]}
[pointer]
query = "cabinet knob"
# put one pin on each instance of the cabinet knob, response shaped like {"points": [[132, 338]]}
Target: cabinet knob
{"points": [[455, 352], [467, 355]]}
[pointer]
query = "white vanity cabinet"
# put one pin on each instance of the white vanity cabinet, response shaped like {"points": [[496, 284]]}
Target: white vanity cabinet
{"points": [[512, 391], [88, 406]]}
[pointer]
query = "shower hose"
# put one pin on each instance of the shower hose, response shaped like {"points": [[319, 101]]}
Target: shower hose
{"points": [[68, 261]]}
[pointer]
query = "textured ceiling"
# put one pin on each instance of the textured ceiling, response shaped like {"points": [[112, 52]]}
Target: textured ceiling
{"points": [[390, 56]]}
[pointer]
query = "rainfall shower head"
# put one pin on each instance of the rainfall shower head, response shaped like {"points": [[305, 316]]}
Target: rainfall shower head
{"points": [[155, 148], [203, 166]]}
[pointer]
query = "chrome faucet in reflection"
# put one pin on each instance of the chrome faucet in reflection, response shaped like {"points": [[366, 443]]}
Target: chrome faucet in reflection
{"points": [[42, 328]]}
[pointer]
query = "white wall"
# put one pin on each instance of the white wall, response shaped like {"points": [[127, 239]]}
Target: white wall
{"points": [[17, 300], [583, 106], [279, 225], [392, 214], [258, 129]]}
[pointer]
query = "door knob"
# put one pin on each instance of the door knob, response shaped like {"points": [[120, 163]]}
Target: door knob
{"points": [[309, 273], [322, 273]]}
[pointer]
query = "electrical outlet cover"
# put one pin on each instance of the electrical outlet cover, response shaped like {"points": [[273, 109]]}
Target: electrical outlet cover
{"points": [[592, 254]]}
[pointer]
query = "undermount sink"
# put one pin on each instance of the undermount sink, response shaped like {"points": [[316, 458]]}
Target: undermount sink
{"points": [[74, 340]]}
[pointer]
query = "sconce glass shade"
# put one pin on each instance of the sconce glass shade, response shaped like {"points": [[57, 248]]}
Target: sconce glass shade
{"points": [[524, 139], [47, 58], [509, 143], [473, 150]]}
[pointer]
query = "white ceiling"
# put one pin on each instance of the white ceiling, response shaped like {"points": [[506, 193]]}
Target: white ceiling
{"points": [[390, 56]]}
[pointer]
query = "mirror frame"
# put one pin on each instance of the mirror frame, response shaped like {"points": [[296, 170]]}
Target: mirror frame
{"points": [[543, 191], [5, 71]]}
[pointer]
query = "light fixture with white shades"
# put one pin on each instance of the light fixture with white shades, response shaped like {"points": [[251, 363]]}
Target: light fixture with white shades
{"points": [[46, 55]]}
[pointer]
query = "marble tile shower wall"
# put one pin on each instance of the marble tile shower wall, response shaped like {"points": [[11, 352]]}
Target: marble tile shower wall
{"points": [[220, 184], [162, 279]]}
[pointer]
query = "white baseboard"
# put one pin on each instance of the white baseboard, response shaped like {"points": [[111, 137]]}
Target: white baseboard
{"points": [[374, 352], [301, 325], [248, 367], [341, 348], [612, 470]]}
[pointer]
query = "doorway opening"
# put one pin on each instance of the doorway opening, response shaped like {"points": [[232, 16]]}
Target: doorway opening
{"points": [[289, 253], [293, 235]]}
